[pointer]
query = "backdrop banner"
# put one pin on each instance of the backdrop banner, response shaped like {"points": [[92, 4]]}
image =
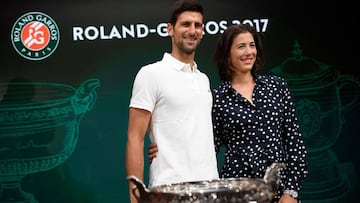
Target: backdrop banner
{"points": [[67, 69]]}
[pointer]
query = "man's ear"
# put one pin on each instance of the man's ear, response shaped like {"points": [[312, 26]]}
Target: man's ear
{"points": [[170, 29]]}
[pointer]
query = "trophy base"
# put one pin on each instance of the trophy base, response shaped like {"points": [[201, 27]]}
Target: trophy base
{"points": [[25, 198], [344, 192]]}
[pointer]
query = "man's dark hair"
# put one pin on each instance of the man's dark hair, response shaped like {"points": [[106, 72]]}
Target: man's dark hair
{"points": [[184, 5]]}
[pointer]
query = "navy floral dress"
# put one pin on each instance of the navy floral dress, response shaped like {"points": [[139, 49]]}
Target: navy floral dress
{"points": [[259, 134]]}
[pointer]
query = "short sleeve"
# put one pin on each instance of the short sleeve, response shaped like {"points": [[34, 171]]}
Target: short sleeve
{"points": [[144, 90]]}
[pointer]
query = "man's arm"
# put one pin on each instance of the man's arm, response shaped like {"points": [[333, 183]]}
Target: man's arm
{"points": [[138, 123]]}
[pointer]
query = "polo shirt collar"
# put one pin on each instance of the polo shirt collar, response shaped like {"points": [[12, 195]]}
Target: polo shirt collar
{"points": [[178, 65]]}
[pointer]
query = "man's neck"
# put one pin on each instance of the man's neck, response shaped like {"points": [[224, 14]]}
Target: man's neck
{"points": [[185, 58]]}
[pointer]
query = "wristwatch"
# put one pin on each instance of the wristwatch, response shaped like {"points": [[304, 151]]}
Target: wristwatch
{"points": [[292, 193]]}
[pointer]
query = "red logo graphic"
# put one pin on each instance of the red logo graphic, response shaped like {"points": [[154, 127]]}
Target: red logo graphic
{"points": [[35, 36]]}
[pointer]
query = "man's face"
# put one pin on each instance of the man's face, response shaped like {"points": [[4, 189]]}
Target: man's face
{"points": [[187, 32]]}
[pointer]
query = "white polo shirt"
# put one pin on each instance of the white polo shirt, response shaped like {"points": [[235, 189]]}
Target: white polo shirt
{"points": [[180, 101]]}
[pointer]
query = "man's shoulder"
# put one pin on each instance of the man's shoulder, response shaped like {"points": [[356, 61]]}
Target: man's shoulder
{"points": [[151, 67], [156, 63]]}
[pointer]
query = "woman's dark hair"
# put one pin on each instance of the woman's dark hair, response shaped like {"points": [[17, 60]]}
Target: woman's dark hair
{"points": [[184, 5], [222, 52]]}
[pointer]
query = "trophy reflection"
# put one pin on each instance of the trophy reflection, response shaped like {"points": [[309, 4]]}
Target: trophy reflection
{"points": [[39, 127], [322, 97]]}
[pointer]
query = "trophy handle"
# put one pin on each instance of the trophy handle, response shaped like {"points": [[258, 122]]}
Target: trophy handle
{"points": [[347, 81], [85, 96]]}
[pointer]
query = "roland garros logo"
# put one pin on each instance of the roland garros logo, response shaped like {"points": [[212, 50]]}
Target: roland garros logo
{"points": [[35, 36]]}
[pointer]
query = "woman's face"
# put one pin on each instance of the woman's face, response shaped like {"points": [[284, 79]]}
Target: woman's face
{"points": [[243, 53]]}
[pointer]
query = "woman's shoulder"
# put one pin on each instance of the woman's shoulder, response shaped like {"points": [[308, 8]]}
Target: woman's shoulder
{"points": [[221, 88], [272, 79]]}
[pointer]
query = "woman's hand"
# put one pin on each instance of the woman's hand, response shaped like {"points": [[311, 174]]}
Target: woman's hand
{"points": [[285, 198], [152, 150]]}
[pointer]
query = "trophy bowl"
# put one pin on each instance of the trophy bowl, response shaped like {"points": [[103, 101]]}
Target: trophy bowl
{"points": [[231, 190], [39, 128]]}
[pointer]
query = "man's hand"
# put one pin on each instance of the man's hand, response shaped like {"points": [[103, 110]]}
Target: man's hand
{"points": [[152, 152]]}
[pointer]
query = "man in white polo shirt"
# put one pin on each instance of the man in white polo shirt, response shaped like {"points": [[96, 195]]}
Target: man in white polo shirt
{"points": [[171, 100]]}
